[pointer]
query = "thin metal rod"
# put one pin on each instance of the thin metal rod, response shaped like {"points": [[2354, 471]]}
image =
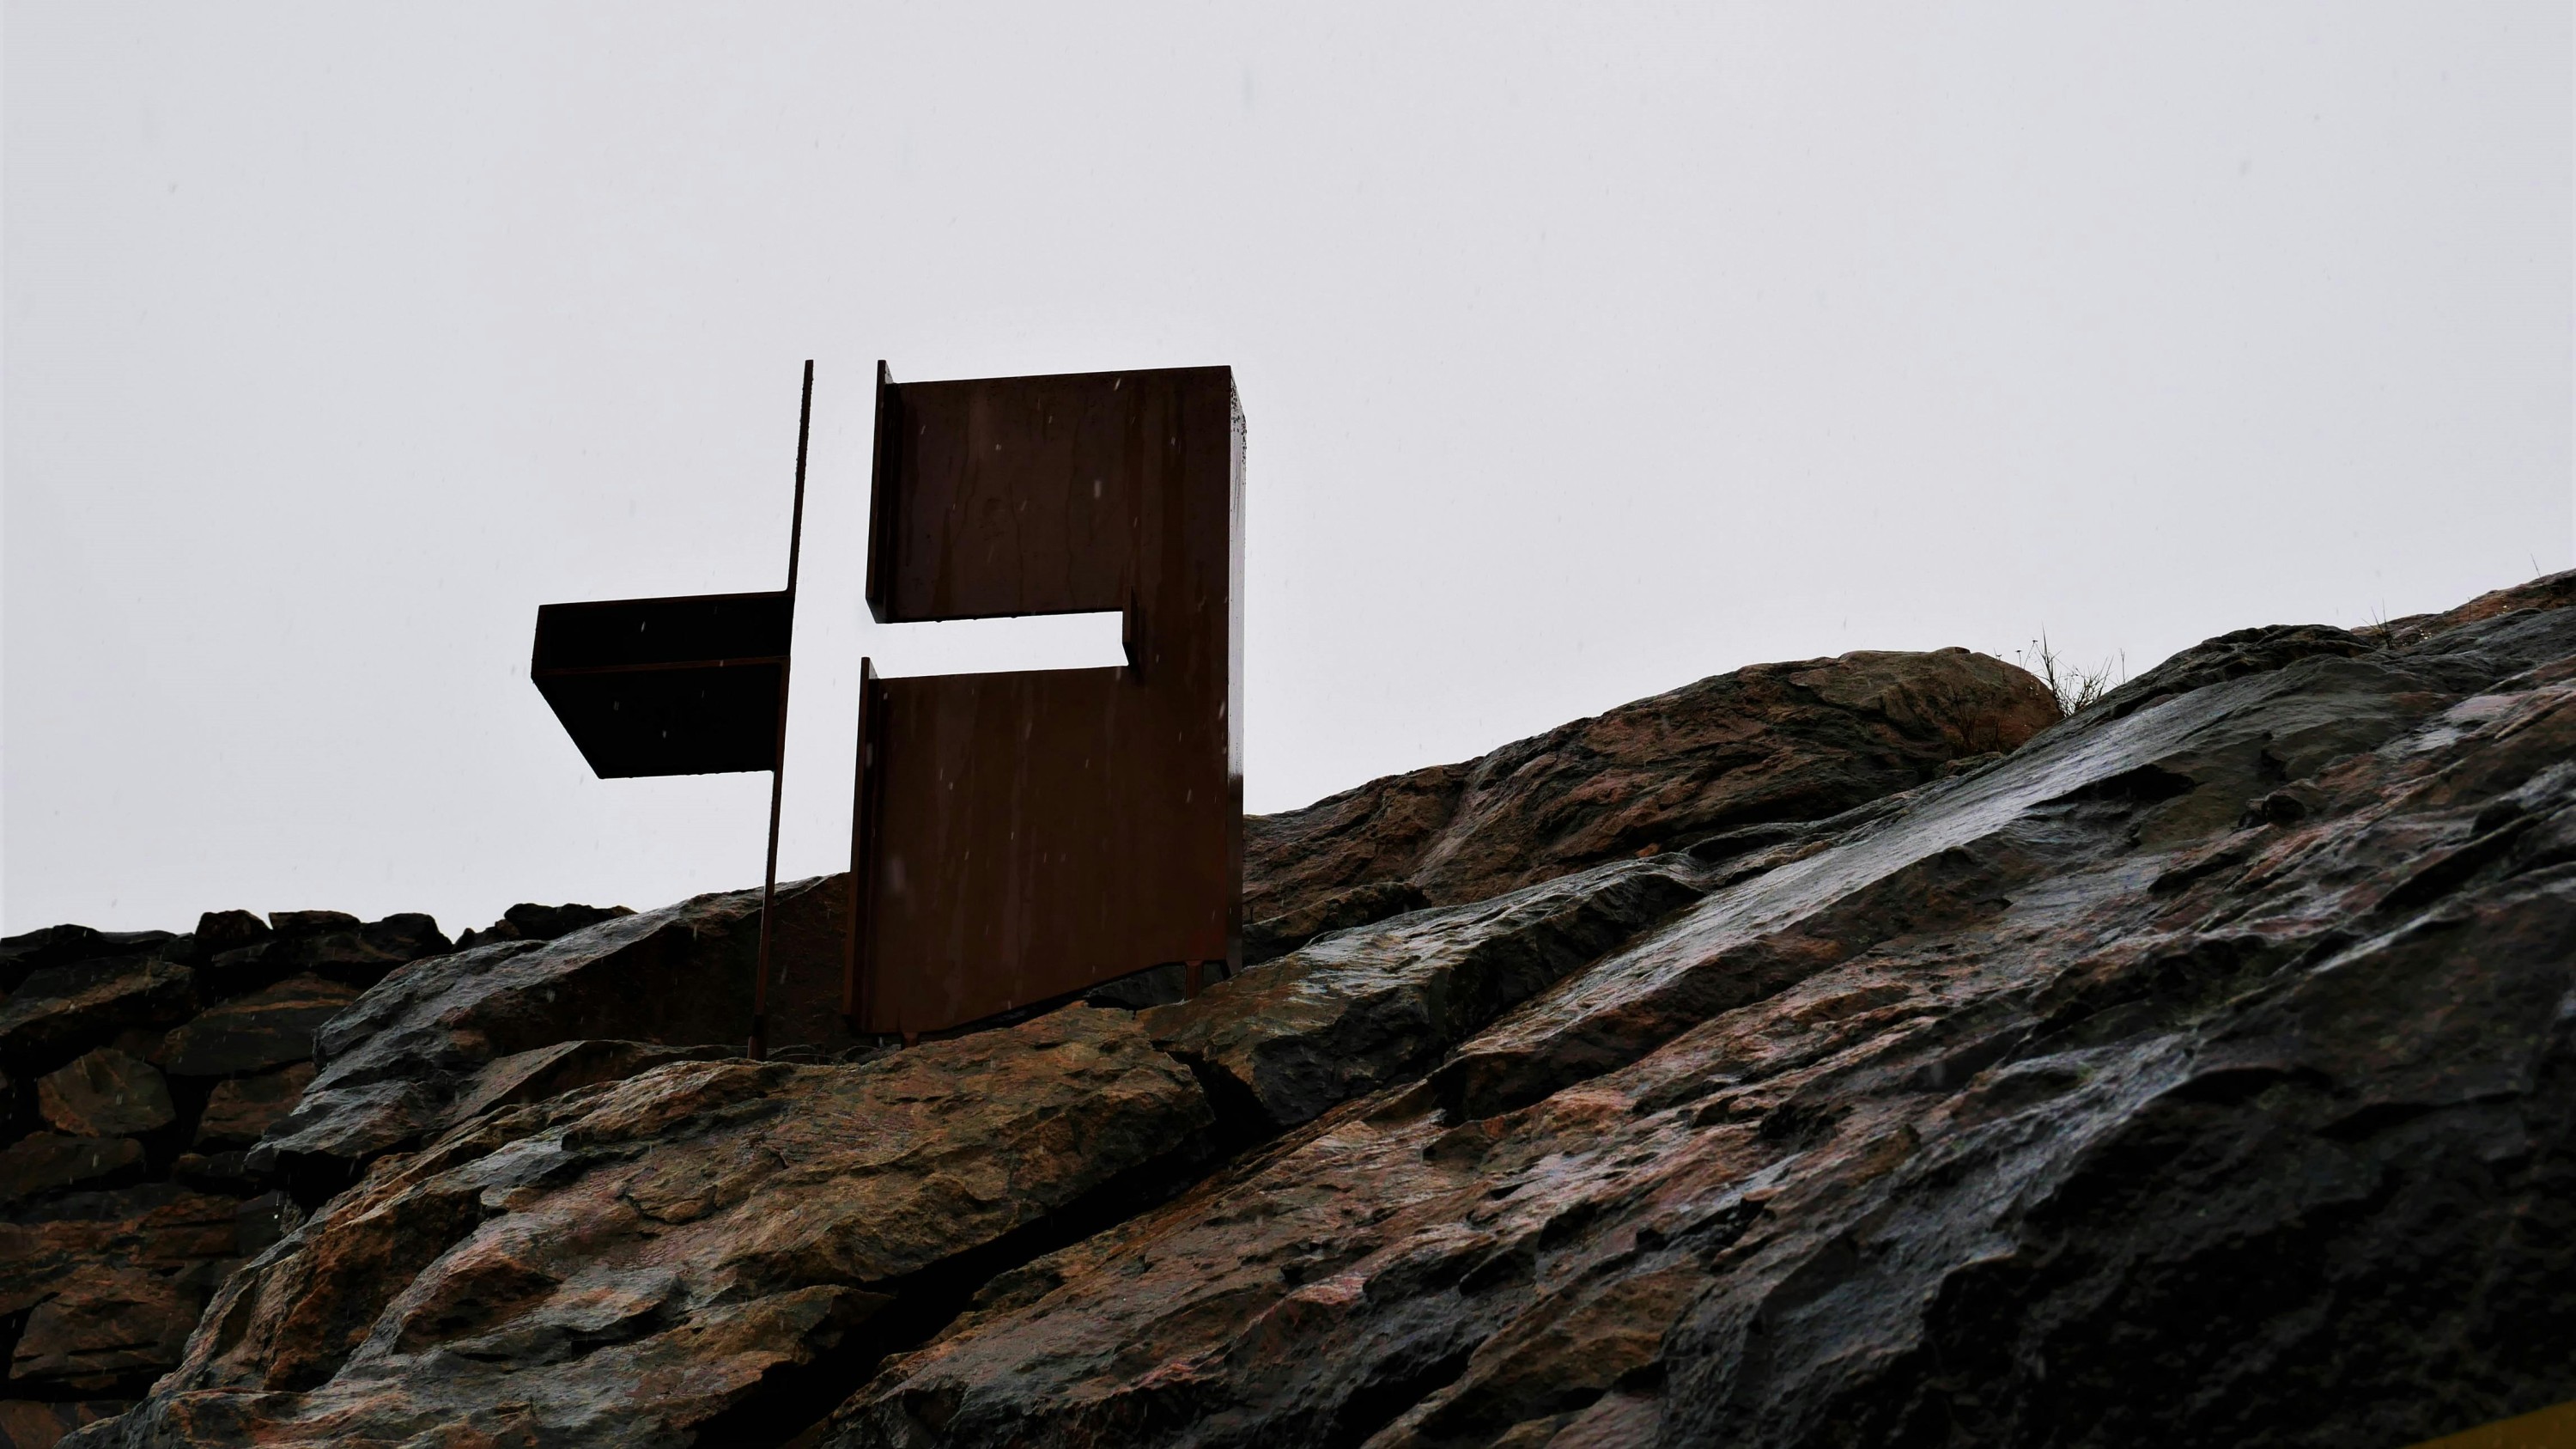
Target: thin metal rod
{"points": [[796, 520], [778, 761]]}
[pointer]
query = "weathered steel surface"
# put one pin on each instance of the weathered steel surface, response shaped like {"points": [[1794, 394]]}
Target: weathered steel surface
{"points": [[1021, 836], [686, 686]]}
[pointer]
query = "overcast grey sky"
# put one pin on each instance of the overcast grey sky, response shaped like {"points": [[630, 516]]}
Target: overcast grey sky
{"points": [[1586, 351]]}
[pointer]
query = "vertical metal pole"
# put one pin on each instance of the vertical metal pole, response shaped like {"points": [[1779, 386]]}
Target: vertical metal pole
{"points": [[778, 761]]}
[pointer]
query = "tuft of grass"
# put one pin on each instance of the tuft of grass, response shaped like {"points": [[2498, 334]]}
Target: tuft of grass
{"points": [[2077, 689], [2379, 632]]}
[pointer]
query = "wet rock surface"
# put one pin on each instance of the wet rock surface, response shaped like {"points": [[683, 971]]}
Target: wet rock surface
{"points": [[105, 1093], [239, 1110], [528, 921], [268, 1028], [635, 1261], [1359, 1009], [59, 1011], [395, 1065], [2086, 1099], [1773, 742], [105, 1286], [126, 1051], [1837, 1053]]}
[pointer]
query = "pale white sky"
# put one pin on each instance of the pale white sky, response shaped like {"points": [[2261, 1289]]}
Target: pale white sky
{"points": [[1587, 351]]}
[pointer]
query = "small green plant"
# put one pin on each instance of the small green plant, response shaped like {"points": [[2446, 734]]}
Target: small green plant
{"points": [[2077, 689]]}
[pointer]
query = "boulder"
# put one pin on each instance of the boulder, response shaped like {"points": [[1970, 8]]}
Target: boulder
{"points": [[103, 1327], [61, 1011], [295, 924], [221, 931], [528, 921], [268, 1028], [105, 1093], [109, 1285], [544, 923], [689, 1251], [241, 1108], [222, 1171], [44, 1162], [331, 944], [1769, 743], [394, 1065], [62, 945]]}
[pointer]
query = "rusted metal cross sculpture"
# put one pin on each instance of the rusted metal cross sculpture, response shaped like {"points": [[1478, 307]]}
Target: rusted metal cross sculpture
{"points": [[1020, 837], [1015, 838]]}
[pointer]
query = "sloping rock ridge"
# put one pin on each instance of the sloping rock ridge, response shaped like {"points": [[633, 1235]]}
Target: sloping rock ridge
{"points": [[2200, 1073], [1770, 743], [450, 1034], [2199, 1069]]}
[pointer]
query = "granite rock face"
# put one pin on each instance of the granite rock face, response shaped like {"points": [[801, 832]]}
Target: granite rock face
{"points": [[268, 1028], [1850, 1053], [2204, 1072], [394, 1065], [528, 921], [60, 1011], [1774, 742], [240, 1109], [672, 1257], [132, 1055], [105, 1093], [64, 945]]}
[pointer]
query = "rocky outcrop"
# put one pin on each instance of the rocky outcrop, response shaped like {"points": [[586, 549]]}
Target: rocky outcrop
{"points": [[2202, 1073], [139, 1064], [2199, 1069], [1776, 742], [528, 921], [677, 1255], [395, 1066]]}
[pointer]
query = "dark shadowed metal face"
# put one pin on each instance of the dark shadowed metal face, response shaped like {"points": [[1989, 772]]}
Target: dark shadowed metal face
{"points": [[681, 686], [1021, 836]]}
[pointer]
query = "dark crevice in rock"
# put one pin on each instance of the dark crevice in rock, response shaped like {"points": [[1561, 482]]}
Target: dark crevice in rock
{"points": [[12, 1327], [1384, 1398], [1242, 1123], [2145, 785], [2451, 869]]}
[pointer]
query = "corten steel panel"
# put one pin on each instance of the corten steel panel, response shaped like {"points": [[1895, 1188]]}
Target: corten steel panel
{"points": [[680, 686], [1022, 836]]}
